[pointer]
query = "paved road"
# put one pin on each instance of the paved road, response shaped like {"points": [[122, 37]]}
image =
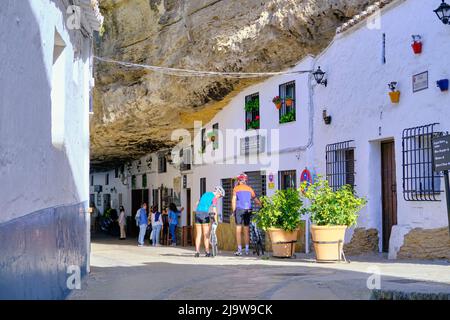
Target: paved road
{"points": [[121, 270]]}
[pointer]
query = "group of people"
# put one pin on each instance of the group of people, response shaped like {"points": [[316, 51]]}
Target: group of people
{"points": [[206, 214], [155, 222], [206, 217]]}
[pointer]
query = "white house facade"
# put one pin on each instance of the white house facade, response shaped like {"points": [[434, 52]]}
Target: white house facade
{"points": [[46, 74], [348, 131]]}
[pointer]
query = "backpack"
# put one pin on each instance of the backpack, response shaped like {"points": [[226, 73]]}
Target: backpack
{"points": [[157, 215]]}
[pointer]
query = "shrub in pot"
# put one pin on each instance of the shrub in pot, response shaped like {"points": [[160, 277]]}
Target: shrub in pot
{"points": [[331, 213], [280, 217]]}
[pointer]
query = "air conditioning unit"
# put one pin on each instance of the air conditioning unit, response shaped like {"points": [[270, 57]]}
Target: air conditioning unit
{"points": [[98, 189]]}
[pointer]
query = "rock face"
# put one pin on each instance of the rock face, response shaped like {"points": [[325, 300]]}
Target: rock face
{"points": [[135, 109], [426, 244], [363, 241]]}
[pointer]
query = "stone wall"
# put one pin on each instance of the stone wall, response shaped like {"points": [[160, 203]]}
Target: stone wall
{"points": [[363, 241], [426, 244]]}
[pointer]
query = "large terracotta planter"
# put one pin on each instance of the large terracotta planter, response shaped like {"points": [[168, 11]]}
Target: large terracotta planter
{"points": [[328, 242], [283, 242]]}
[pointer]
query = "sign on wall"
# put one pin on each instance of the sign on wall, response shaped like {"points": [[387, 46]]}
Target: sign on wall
{"points": [[271, 181], [420, 81], [441, 153]]}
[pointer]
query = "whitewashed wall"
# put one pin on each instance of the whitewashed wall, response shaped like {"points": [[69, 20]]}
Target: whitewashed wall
{"points": [[357, 99], [34, 173]]}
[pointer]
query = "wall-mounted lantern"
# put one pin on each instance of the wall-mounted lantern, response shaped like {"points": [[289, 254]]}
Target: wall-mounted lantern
{"points": [[443, 84], [394, 94], [417, 44], [319, 75], [326, 118], [443, 12]]}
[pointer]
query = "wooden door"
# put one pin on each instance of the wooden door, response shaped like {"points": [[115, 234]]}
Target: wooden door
{"points": [[389, 191]]}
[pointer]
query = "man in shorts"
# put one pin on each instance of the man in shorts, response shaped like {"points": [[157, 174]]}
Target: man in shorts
{"points": [[243, 195]]}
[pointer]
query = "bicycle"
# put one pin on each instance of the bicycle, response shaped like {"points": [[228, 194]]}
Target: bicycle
{"points": [[256, 238], [213, 237]]}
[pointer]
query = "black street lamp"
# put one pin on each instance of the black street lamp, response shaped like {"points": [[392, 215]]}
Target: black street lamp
{"points": [[319, 75], [443, 12]]}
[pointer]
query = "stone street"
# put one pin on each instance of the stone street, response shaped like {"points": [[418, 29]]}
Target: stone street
{"points": [[121, 270]]}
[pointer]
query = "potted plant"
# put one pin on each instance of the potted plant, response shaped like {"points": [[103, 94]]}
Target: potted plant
{"points": [[277, 101], [280, 217], [252, 105], [289, 101], [288, 117], [331, 213], [443, 84], [394, 94]]}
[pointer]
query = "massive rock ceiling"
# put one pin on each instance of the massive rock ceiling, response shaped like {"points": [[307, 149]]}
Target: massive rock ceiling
{"points": [[135, 110]]}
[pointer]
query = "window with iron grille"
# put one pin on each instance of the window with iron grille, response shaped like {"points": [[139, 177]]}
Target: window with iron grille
{"points": [[202, 186], [186, 159], [107, 179], [133, 182], [252, 111], [287, 180], [420, 182], [287, 95], [340, 164], [92, 180], [162, 164]]}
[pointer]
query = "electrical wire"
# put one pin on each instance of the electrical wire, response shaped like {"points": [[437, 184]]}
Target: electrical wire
{"points": [[197, 73]]}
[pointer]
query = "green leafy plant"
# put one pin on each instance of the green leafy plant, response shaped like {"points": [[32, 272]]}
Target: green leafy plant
{"points": [[288, 117], [282, 210], [252, 105], [332, 208]]}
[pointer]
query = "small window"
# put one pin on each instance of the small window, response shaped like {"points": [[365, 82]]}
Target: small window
{"points": [[133, 182], [202, 186], [420, 182], [186, 159], [92, 180], [162, 164], [340, 164], [116, 173], [287, 180], [215, 136], [252, 112], [287, 95], [144, 181], [203, 137], [107, 179]]}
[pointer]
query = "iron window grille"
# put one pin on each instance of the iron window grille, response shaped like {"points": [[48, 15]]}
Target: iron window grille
{"points": [[287, 113], [287, 180], [133, 182], [227, 185], [186, 159], [144, 181], [107, 179], [252, 118], [420, 182], [340, 164]]}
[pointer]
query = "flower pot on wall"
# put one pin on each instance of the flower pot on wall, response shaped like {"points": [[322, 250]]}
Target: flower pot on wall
{"points": [[443, 84], [328, 242], [417, 47], [278, 106], [283, 242], [395, 96]]}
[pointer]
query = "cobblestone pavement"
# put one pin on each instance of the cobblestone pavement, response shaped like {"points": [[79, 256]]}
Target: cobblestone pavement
{"points": [[121, 270]]}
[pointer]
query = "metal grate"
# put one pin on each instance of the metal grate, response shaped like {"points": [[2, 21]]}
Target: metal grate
{"points": [[227, 185], [287, 90], [420, 182], [287, 180], [340, 164]]}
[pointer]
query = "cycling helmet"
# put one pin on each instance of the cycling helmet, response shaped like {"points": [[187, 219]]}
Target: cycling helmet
{"points": [[220, 190], [242, 177]]}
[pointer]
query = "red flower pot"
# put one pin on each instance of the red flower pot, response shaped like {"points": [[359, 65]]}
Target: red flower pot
{"points": [[417, 47]]}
